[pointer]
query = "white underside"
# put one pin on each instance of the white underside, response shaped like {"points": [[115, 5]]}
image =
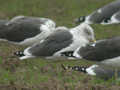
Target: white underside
{"points": [[78, 41], [26, 57], [59, 58], [27, 54], [3, 40], [115, 62], [90, 70], [76, 54]]}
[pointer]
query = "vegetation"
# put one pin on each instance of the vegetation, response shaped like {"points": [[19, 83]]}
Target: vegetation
{"points": [[41, 74]]}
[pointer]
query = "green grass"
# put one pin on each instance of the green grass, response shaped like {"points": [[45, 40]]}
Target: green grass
{"points": [[41, 74]]}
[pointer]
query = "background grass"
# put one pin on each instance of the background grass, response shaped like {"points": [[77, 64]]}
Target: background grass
{"points": [[41, 74]]}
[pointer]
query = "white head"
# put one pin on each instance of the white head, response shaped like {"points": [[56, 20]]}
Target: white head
{"points": [[50, 24], [86, 31], [14, 19], [61, 28]]}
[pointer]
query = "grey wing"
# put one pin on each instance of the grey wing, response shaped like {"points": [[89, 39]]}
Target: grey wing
{"points": [[116, 16], [23, 19], [105, 49], [105, 12], [106, 71], [52, 44], [21, 30]]}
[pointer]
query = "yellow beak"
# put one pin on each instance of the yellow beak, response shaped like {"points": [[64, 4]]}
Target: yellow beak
{"points": [[93, 41]]}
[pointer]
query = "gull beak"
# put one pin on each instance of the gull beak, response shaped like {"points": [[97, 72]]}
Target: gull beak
{"points": [[93, 41]]}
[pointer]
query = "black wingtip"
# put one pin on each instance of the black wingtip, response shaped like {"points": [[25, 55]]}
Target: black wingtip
{"points": [[19, 53], [79, 68], [75, 68], [68, 54]]}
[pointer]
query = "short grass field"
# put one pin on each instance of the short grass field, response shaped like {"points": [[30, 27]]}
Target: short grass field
{"points": [[41, 74]]}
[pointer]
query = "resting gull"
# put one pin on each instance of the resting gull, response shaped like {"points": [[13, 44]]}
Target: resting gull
{"points": [[60, 43], [100, 14], [25, 30], [107, 49], [106, 69], [114, 19], [107, 52]]}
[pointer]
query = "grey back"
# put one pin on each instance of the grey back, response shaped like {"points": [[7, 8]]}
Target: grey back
{"points": [[22, 29], [106, 12], [104, 49], [117, 15], [52, 44]]}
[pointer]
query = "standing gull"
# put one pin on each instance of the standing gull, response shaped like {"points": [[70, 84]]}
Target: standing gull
{"points": [[26, 30], [61, 43], [100, 14]]}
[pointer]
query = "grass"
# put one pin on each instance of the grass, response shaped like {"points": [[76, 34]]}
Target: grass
{"points": [[41, 74]]}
